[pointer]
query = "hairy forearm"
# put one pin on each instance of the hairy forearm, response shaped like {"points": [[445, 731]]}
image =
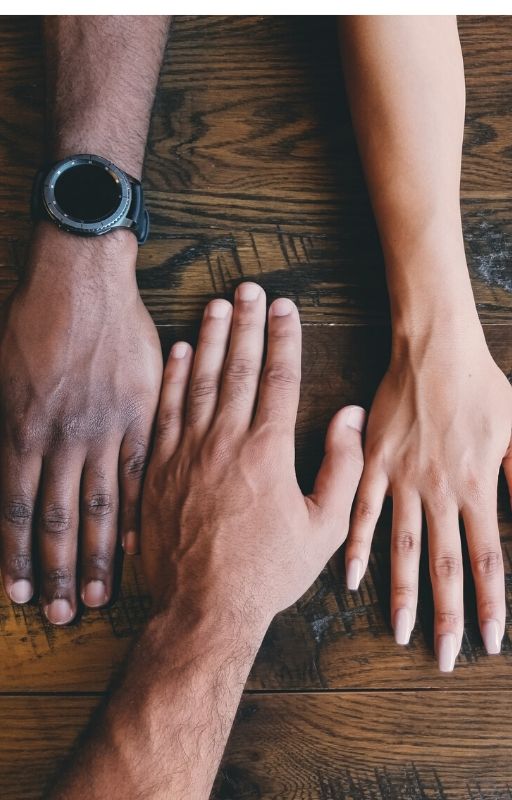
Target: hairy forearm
{"points": [[405, 82], [102, 73], [165, 728]]}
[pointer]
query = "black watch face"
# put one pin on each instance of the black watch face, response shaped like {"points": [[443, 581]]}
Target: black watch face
{"points": [[87, 194]]}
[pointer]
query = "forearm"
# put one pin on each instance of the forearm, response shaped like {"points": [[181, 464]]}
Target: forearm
{"points": [[405, 82], [102, 73], [165, 728]]}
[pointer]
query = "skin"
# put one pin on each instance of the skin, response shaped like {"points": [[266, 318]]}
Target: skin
{"points": [[228, 541], [80, 359], [440, 425]]}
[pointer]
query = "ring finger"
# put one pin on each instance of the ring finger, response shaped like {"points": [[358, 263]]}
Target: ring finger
{"points": [[58, 536], [446, 574]]}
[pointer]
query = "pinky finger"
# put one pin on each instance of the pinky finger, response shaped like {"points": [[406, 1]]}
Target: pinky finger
{"points": [[367, 508], [171, 411]]}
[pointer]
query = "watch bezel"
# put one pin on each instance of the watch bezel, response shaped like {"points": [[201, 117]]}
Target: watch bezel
{"points": [[73, 224]]}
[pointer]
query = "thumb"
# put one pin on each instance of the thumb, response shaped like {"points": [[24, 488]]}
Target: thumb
{"points": [[340, 471]]}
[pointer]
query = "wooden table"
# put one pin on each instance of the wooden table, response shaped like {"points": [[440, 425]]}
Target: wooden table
{"points": [[252, 172]]}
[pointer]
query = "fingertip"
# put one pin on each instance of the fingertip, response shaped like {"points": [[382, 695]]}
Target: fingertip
{"points": [[282, 307], [354, 574], [94, 594], [20, 591], [180, 350], [59, 611], [347, 418], [218, 308], [130, 543], [355, 418], [248, 292]]}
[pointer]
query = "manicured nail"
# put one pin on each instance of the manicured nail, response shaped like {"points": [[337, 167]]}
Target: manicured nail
{"points": [[94, 594], [179, 350], [130, 543], [356, 418], [354, 573], [219, 309], [446, 652], [402, 625], [281, 307], [491, 636], [59, 612], [21, 591], [248, 291]]}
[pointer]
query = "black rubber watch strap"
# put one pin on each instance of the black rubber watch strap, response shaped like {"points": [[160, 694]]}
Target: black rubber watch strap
{"points": [[138, 212]]}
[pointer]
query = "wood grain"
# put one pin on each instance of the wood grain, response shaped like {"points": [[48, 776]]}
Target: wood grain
{"points": [[302, 746], [252, 172]]}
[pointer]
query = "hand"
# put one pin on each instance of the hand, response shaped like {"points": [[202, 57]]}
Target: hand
{"points": [[80, 373], [439, 429], [224, 523]]}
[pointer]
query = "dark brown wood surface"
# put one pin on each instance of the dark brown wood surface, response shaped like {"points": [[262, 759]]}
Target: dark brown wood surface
{"points": [[252, 172]]}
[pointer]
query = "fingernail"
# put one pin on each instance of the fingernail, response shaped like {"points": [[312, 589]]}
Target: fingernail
{"points": [[402, 625], [354, 573], [491, 636], [281, 307], [356, 418], [21, 591], [248, 291], [179, 350], [130, 543], [446, 652], [219, 309], [94, 594], [59, 612]]}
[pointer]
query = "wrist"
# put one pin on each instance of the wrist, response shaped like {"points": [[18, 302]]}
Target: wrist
{"points": [[209, 624], [57, 253], [445, 337]]}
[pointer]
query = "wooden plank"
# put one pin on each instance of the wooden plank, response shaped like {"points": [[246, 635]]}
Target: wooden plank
{"points": [[257, 103], [332, 638], [252, 171], [445, 745]]}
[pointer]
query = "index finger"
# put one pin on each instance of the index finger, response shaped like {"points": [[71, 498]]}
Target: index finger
{"points": [[279, 389]]}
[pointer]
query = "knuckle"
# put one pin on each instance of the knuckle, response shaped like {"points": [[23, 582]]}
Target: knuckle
{"points": [[59, 578], [55, 519], [98, 504], [446, 566], [474, 489], [244, 321], [487, 563], [353, 455], [98, 562], [19, 563], [363, 510], [490, 609], [67, 429], [240, 368], [448, 618], [404, 542], [438, 488], [405, 591], [280, 376], [202, 389], [18, 511], [167, 421], [134, 465]]}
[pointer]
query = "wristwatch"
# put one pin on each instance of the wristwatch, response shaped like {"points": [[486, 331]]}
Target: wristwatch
{"points": [[89, 196]]}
